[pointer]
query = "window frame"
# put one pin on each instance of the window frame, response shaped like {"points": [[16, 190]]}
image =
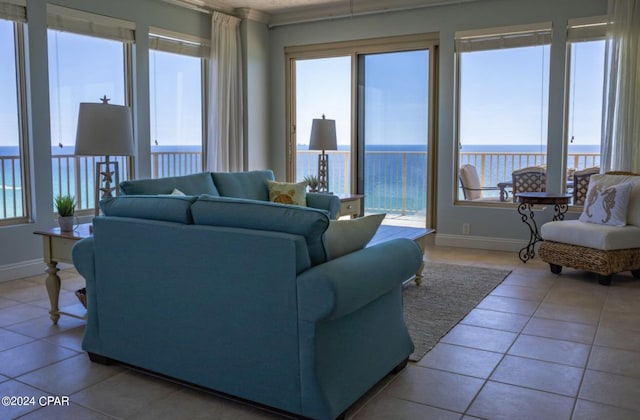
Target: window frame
{"points": [[82, 23], [493, 39], [187, 45], [17, 16], [354, 49], [578, 30]]}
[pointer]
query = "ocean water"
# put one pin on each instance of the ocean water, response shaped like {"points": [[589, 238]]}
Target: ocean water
{"points": [[395, 175]]}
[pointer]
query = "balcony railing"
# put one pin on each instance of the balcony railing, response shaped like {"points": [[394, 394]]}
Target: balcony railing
{"points": [[175, 163], [396, 182], [497, 167]]}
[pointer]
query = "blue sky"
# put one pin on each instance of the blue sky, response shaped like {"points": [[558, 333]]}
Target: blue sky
{"points": [[395, 99], [504, 96], [396, 93]]}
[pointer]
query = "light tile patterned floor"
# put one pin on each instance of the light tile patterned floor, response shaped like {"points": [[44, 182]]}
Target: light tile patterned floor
{"points": [[540, 346]]}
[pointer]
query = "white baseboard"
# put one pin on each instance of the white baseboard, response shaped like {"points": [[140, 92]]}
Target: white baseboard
{"points": [[26, 269], [22, 269], [480, 242]]}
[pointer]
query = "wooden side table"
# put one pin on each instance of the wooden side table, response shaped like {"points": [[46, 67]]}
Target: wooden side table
{"points": [[351, 205], [526, 202], [57, 248]]}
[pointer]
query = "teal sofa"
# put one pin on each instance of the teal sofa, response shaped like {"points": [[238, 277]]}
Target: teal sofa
{"points": [[250, 185], [239, 296]]}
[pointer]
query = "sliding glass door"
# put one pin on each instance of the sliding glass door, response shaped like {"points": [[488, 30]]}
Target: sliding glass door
{"points": [[381, 95], [323, 88], [393, 133]]}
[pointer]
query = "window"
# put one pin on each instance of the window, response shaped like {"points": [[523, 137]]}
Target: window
{"points": [[384, 124], [585, 63], [503, 88], [176, 66], [13, 179], [87, 60], [323, 87]]}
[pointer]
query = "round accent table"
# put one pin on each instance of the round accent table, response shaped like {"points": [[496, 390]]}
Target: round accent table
{"points": [[526, 202]]}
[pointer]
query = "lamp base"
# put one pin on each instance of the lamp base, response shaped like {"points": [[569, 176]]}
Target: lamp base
{"points": [[107, 181], [323, 172]]}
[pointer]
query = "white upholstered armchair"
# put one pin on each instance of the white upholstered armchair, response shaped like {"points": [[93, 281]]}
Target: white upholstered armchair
{"points": [[606, 238]]}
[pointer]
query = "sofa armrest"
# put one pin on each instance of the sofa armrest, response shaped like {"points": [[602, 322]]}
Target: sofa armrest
{"points": [[341, 286], [322, 201], [82, 256]]}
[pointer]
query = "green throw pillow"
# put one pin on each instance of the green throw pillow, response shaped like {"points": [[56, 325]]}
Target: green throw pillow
{"points": [[349, 235], [287, 193]]}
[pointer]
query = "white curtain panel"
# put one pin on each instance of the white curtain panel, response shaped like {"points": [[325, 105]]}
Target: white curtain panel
{"points": [[225, 137], [621, 115]]}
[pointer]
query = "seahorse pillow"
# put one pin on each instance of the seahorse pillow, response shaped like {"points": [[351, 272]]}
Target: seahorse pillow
{"points": [[607, 205], [287, 193]]}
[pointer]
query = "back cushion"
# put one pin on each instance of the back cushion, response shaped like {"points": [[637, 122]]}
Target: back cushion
{"points": [[169, 208], [275, 217], [196, 184], [607, 180], [251, 184], [470, 181]]}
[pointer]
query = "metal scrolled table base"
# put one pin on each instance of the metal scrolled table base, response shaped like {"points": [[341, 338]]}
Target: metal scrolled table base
{"points": [[525, 209]]}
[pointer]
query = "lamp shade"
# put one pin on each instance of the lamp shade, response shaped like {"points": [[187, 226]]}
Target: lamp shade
{"points": [[323, 135], [104, 130]]}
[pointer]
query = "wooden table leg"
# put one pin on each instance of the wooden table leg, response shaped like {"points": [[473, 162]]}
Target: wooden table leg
{"points": [[418, 278], [53, 289]]}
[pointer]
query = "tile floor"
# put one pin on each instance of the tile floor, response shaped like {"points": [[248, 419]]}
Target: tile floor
{"points": [[540, 346]]}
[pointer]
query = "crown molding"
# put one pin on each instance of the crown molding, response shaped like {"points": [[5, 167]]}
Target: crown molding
{"points": [[253, 14], [344, 10], [325, 11]]}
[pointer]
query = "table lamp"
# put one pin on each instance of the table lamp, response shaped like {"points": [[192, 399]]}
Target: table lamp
{"points": [[104, 130], [323, 137]]}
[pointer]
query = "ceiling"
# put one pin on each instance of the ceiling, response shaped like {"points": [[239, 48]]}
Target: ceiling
{"points": [[281, 12]]}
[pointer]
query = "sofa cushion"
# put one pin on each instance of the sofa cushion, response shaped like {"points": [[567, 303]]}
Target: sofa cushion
{"points": [[591, 235], [287, 192], [195, 184], [250, 184], [264, 215], [348, 235], [170, 208], [607, 205], [607, 180]]}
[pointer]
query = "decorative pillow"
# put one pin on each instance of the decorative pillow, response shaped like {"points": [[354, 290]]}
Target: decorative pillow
{"points": [[607, 180], [177, 192], [349, 235], [607, 205], [287, 193]]}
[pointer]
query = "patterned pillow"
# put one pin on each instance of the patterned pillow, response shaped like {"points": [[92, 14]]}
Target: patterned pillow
{"points": [[607, 205], [287, 193], [348, 235]]}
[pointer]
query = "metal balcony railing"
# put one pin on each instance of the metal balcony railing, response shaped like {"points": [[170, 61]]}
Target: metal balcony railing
{"points": [[396, 182]]}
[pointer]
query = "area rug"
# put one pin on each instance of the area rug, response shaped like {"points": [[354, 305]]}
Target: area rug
{"points": [[447, 294]]}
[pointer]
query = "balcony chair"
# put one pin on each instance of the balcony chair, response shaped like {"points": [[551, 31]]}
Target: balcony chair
{"points": [[604, 249], [581, 184], [529, 179], [471, 187]]}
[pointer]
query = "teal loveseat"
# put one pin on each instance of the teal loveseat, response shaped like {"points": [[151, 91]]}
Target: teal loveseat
{"points": [[239, 296], [250, 185]]}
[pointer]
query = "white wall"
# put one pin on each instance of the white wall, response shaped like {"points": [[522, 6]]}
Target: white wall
{"points": [[256, 93], [493, 228]]}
